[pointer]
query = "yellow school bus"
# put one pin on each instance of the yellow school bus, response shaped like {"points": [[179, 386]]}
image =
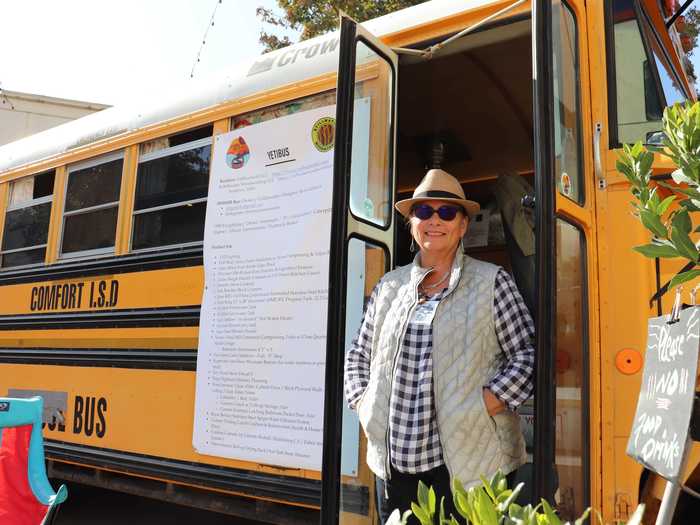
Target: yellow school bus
{"points": [[102, 222]]}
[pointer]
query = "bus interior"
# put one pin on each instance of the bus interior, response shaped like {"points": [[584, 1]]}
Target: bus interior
{"points": [[468, 110]]}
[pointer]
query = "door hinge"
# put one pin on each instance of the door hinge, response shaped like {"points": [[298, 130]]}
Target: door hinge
{"points": [[622, 506]]}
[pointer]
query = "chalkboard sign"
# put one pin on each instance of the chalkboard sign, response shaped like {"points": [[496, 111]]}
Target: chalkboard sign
{"points": [[660, 428]]}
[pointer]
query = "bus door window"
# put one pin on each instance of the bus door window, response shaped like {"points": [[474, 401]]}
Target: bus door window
{"points": [[644, 80], [370, 182], [91, 206], [367, 262], [26, 227], [567, 144], [172, 181], [571, 371], [571, 356]]}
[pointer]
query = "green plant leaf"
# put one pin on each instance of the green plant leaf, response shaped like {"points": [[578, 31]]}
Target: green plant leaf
{"points": [[683, 244], [422, 515], [422, 494], [486, 509], [690, 192], [656, 250], [431, 501], [463, 505], [681, 220], [552, 518], [683, 277], [652, 222], [663, 207], [582, 519], [487, 487], [689, 205]]}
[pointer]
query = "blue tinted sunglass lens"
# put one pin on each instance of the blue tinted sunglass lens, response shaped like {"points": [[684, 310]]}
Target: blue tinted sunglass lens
{"points": [[447, 213], [423, 211]]}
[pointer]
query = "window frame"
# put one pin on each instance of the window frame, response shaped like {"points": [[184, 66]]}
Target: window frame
{"points": [[90, 163], [611, 66], [153, 155], [27, 204]]}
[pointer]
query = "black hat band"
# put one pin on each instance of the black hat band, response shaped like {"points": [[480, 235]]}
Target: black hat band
{"points": [[437, 194]]}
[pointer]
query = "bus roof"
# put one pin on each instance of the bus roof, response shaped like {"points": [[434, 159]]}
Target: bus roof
{"points": [[285, 66]]}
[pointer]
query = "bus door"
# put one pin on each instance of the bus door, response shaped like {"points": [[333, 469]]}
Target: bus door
{"points": [[362, 227], [564, 202]]}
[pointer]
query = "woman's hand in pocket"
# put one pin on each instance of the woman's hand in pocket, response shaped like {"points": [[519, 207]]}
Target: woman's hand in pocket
{"points": [[493, 404]]}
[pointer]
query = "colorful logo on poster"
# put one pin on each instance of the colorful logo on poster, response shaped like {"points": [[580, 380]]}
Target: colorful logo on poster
{"points": [[323, 134], [238, 153]]}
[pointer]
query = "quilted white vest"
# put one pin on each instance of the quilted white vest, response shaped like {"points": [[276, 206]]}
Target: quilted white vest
{"points": [[466, 355]]}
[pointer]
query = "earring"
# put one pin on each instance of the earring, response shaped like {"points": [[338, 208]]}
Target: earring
{"points": [[461, 244], [413, 245]]}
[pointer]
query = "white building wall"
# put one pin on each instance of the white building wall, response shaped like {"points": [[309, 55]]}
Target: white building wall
{"points": [[23, 114]]}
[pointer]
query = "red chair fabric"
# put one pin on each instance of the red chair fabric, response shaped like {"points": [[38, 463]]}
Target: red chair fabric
{"points": [[18, 506]]}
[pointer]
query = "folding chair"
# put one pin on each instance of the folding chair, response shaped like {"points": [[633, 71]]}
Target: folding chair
{"points": [[26, 497]]}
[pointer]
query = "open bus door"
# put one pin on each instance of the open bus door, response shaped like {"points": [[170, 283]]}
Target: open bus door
{"points": [[566, 463], [361, 251], [362, 235]]}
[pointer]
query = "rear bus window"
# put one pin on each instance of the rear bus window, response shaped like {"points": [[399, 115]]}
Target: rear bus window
{"points": [[644, 79], [171, 190], [27, 220], [92, 203]]}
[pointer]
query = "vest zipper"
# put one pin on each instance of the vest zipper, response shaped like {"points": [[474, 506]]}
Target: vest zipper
{"points": [[437, 420]]}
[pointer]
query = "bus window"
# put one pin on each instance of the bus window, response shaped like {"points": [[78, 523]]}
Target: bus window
{"points": [[644, 81], [670, 86], [171, 192], [90, 210], [280, 110], [567, 143], [27, 220]]}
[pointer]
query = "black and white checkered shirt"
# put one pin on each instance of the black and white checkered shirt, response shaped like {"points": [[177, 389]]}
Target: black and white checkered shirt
{"points": [[414, 443]]}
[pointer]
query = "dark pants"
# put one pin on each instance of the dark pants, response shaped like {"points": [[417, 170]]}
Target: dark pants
{"points": [[402, 489]]}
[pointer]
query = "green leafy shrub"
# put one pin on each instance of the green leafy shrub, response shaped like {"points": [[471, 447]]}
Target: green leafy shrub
{"points": [[491, 503], [670, 230]]}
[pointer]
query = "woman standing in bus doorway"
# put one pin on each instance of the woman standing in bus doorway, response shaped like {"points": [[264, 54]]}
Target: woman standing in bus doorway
{"points": [[442, 359]]}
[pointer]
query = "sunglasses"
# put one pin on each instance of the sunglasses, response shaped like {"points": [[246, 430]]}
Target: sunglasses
{"points": [[445, 212]]}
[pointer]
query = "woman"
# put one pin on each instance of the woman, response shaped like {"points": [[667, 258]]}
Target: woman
{"points": [[442, 359]]}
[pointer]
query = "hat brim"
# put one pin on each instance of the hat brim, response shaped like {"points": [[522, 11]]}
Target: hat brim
{"points": [[404, 206]]}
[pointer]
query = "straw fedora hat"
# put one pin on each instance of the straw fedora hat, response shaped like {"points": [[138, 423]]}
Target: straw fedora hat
{"points": [[438, 185]]}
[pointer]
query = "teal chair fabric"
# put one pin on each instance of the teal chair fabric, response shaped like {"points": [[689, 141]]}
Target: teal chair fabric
{"points": [[16, 412]]}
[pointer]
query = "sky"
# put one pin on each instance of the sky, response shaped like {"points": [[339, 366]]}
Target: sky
{"points": [[106, 51]]}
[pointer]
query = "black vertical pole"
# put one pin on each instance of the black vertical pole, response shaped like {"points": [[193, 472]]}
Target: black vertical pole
{"points": [[335, 339], [545, 314]]}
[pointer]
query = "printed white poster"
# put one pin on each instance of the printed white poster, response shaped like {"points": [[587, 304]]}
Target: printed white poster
{"points": [[262, 338]]}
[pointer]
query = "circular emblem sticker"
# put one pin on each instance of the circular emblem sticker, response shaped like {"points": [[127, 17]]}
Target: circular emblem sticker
{"points": [[237, 153], [323, 134], [566, 184]]}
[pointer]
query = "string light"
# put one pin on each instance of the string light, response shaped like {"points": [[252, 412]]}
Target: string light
{"points": [[5, 99], [204, 38]]}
